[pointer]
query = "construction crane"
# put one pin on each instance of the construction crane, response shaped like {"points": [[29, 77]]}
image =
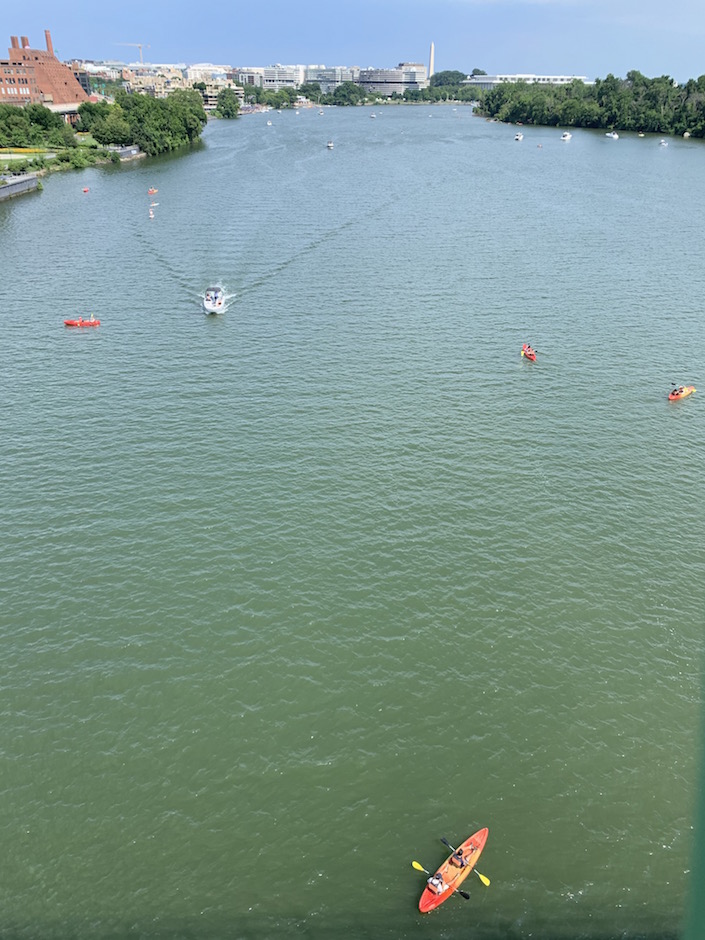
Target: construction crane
{"points": [[138, 45]]}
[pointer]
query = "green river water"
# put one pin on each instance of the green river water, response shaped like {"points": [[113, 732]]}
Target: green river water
{"points": [[289, 593]]}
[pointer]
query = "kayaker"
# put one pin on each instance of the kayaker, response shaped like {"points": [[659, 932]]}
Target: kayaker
{"points": [[457, 858], [92, 318], [436, 883]]}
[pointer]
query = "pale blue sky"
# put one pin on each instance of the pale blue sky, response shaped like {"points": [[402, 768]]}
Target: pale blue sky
{"points": [[580, 37]]}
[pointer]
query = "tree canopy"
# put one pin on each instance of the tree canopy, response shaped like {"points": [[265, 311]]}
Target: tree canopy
{"points": [[156, 125], [228, 104], [31, 126], [635, 103], [447, 78]]}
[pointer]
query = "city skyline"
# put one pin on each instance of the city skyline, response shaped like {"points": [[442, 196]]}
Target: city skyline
{"points": [[587, 37]]}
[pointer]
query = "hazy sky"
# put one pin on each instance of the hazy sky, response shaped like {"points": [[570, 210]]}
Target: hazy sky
{"points": [[575, 37]]}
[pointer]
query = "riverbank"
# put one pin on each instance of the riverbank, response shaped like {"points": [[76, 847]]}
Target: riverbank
{"points": [[18, 185]]}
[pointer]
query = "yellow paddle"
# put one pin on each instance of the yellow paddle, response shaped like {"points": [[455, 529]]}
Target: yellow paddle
{"points": [[483, 878], [419, 867]]}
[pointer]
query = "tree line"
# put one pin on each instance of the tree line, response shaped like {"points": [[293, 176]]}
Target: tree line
{"points": [[443, 86], [635, 103], [156, 125]]}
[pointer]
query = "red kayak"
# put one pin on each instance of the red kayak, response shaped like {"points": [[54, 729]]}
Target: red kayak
{"points": [[81, 322], [681, 392], [453, 873], [527, 351]]}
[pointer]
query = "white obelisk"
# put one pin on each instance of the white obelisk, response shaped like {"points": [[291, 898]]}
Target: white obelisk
{"points": [[430, 61]]}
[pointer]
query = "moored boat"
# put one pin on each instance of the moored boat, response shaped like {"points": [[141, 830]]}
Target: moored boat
{"points": [[566, 135]]}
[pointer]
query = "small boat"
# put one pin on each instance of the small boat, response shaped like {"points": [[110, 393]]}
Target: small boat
{"points": [[320, 112], [663, 143], [519, 136], [641, 134], [153, 204], [373, 115], [329, 145], [79, 321], [681, 392], [527, 351], [613, 134], [151, 191], [214, 300], [566, 135], [452, 874], [269, 123], [86, 189]]}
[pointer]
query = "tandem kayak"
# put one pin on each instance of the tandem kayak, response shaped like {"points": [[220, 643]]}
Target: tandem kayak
{"points": [[452, 874], [81, 322], [527, 351], [681, 392]]}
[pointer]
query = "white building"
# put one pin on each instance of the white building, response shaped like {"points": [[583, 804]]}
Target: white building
{"points": [[331, 78], [486, 82], [407, 75], [273, 77], [205, 72]]}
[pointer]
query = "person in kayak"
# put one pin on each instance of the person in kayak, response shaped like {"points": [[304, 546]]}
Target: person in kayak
{"points": [[457, 858], [436, 883]]}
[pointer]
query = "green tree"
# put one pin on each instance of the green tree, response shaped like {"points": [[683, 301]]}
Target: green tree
{"points": [[348, 93], [43, 117], [228, 104], [90, 112], [447, 78], [62, 137], [311, 90], [113, 129]]}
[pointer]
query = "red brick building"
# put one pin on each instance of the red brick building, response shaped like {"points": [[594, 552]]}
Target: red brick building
{"points": [[36, 76]]}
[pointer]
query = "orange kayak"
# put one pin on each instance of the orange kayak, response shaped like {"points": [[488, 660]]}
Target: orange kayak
{"points": [[528, 352], [681, 392], [81, 322], [452, 874]]}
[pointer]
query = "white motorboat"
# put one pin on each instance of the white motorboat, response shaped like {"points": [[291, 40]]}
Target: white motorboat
{"points": [[329, 145], [518, 136], [613, 134], [663, 143], [566, 135], [214, 300]]}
